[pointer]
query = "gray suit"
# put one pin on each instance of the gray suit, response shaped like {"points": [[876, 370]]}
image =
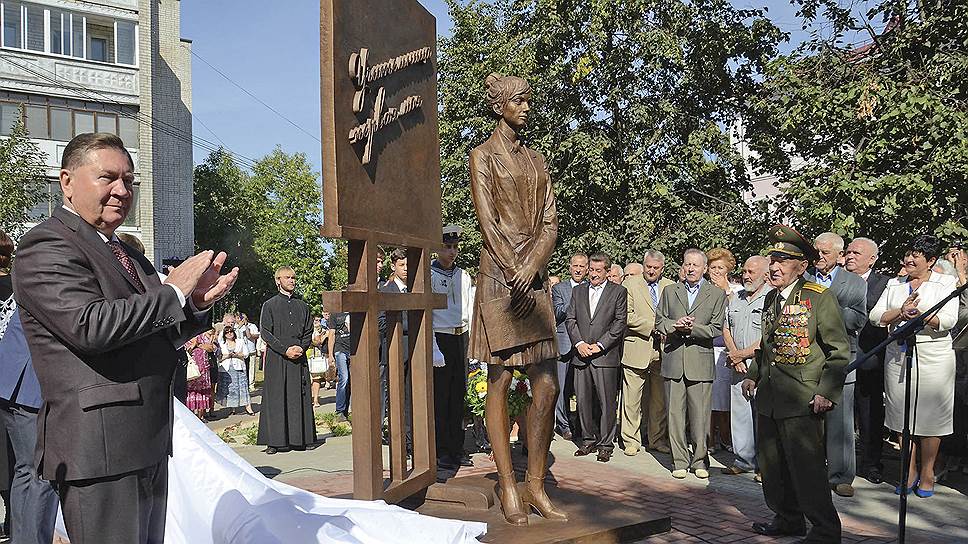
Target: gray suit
{"points": [[688, 366], [598, 374], [560, 299], [105, 346], [851, 292]]}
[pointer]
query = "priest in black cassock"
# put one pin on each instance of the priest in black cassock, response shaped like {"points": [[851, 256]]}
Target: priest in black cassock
{"points": [[286, 418]]}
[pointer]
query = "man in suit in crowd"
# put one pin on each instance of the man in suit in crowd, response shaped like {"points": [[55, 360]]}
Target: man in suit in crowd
{"points": [[691, 315], [641, 368], [860, 257], [560, 299], [596, 323], [851, 292], [397, 283], [797, 376], [104, 334], [615, 273]]}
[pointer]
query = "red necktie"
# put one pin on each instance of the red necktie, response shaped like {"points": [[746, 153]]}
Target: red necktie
{"points": [[125, 262]]}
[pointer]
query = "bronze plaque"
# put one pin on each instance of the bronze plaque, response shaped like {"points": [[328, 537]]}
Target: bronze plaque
{"points": [[381, 155]]}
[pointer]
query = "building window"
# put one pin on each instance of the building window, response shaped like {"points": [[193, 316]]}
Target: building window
{"points": [[107, 122], [12, 15], [60, 125], [9, 115], [83, 122], [35, 28], [38, 28], [125, 31], [35, 119], [128, 131]]}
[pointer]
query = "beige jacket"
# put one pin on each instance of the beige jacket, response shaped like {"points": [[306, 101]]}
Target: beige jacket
{"points": [[641, 340]]}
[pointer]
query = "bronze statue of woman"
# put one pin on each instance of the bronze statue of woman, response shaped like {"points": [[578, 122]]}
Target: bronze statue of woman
{"points": [[515, 206]]}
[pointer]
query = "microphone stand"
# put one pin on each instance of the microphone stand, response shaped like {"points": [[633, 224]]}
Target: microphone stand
{"points": [[905, 335]]}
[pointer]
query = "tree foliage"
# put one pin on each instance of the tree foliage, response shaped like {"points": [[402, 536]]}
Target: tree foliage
{"points": [[871, 140], [633, 100], [266, 219], [22, 182]]}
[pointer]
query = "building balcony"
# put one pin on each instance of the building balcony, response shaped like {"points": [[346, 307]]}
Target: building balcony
{"points": [[54, 75]]}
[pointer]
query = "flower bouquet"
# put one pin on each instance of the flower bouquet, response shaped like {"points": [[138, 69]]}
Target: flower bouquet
{"points": [[519, 393]]}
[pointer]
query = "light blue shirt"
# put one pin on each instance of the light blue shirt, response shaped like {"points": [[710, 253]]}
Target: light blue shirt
{"points": [[692, 291], [827, 279]]}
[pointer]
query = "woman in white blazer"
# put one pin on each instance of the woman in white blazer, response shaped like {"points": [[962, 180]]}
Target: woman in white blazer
{"points": [[933, 372]]}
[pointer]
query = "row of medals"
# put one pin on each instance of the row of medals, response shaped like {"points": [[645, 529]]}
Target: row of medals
{"points": [[791, 340]]}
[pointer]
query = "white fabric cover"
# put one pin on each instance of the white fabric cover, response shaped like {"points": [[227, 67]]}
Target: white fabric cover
{"points": [[216, 497]]}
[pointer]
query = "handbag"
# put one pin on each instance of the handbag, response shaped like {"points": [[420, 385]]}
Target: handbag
{"points": [[192, 370], [318, 365]]}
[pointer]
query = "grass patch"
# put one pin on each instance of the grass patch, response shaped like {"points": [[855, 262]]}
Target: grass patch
{"points": [[240, 434], [341, 429]]}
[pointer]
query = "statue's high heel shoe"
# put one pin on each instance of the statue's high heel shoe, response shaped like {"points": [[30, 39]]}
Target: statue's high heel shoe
{"points": [[534, 496], [511, 505]]}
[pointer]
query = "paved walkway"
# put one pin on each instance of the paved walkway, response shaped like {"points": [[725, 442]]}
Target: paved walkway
{"points": [[719, 510]]}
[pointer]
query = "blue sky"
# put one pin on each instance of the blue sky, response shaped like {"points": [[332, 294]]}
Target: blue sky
{"points": [[272, 50]]}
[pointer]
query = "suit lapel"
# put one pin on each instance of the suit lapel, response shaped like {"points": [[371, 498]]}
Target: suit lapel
{"points": [[90, 237], [682, 295], [701, 296]]}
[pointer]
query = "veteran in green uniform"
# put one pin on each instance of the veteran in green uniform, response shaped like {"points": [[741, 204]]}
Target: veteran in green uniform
{"points": [[797, 376]]}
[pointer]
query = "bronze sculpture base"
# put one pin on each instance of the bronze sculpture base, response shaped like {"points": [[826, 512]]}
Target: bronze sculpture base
{"points": [[591, 518]]}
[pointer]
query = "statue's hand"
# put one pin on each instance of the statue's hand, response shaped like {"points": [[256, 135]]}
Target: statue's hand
{"points": [[522, 305]]}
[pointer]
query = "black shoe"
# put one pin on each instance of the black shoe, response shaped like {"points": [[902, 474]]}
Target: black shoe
{"points": [[582, 451], [270, 450], [604, 455], [874, 476], [299, 448], [772, 529], [447, 462]]}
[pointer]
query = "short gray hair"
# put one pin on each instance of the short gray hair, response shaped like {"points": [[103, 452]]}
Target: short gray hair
{"points": [[695, 251], [832, 238], [619, 267], [632, 269], [761, 260], [654, 254], [868, 241]]}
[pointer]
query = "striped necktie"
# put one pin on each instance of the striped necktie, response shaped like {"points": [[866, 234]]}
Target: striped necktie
{"points": [[125, 261]]}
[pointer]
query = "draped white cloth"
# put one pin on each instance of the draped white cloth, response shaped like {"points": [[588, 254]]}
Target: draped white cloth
{"points": [[216, 497]]}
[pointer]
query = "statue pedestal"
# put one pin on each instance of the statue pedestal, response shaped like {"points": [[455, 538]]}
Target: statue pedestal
{"points": [[591, 518]]}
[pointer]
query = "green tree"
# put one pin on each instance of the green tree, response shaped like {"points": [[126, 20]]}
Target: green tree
{"points": [[286, 208], [633, 104], [871, 140], [22, 181], [263, 220]]}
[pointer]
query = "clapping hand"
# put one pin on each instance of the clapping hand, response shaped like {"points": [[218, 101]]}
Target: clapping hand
{"points": [[909, 310], [212, 285]]}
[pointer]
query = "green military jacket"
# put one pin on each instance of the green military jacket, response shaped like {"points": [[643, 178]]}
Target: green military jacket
{"points": [[804, 352]]}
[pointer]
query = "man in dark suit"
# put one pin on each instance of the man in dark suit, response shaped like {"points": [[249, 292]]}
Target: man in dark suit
{"points": [[691, 315], [596, 321], [851, 292], [560, 299], [797, 376], [104, 333], [397, 283], [869, 393]]}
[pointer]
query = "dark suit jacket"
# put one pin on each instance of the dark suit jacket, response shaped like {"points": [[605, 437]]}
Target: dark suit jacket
{"points": [[691, 356], [18, 381], [391, 287], [851, 292], [606, 327], [870, 335], [560, 299], [104, 351]]}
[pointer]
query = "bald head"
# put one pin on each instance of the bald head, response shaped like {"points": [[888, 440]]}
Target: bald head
{"points": [[633, 269], [755, 271]]}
